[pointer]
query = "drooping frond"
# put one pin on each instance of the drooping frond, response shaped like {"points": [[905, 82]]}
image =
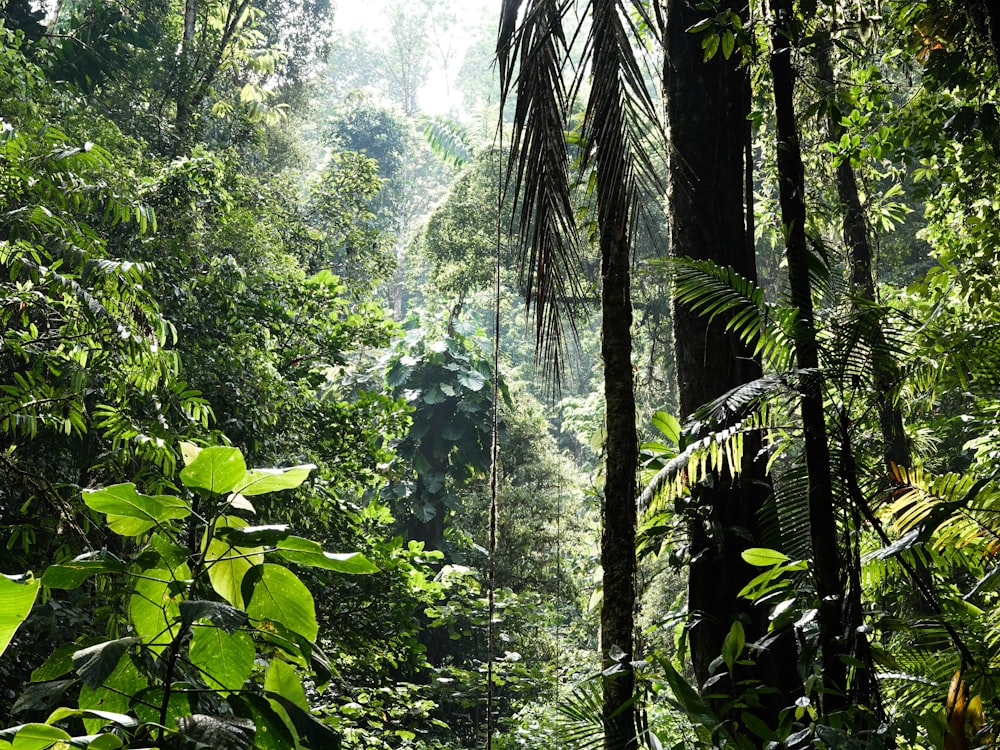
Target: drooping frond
{"points": [[532, 52]]}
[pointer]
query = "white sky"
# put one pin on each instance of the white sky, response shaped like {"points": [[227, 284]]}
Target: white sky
{"points": [[371, 16]]}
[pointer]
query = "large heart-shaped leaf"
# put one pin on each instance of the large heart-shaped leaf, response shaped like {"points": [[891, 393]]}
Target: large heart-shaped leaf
{"points": [[131, 513], [214, 470], [95, 663], [279, 596], [228, 563], [70, 575], [225, 660]]}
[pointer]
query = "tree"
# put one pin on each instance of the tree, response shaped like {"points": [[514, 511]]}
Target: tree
{"points": [[710, 208], [613, 136]]}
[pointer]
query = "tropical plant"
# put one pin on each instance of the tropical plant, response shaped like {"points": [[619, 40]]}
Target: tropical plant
{"points": [[215, 629]]}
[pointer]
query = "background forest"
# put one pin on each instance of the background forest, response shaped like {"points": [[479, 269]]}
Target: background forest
{"points": [[621, 373]]}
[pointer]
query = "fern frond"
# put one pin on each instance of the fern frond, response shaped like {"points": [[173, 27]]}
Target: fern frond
{"points": [[713, 291]]}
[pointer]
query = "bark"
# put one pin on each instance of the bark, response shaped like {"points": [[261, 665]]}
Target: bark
{"points": [[822, 518], [710, 215], [622, 444]]}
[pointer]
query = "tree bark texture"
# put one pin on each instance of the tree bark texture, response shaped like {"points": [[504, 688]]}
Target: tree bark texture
{"points": [[822, 518], [707, 104], [614, 188]]}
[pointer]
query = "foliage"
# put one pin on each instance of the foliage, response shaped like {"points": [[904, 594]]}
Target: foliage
{"points": [[216, 630]]}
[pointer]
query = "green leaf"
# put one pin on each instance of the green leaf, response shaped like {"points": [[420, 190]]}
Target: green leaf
{"points": [[668, 425], [108, 717], [222, 615], [762, 557], [472, 380], [307, 552], [314, 732], [131, 513], [226, 660], [215, 470], [96, 663], [105, 742], [732, 645], [17, 597], [153, 606], [279, 596], [59, 663], [273, 733], [282, 679], [228, 564], [261, 481], [72, 574], [33, 736]]}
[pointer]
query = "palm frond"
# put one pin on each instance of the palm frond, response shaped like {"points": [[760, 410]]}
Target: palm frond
{"points": [[532, 42]]}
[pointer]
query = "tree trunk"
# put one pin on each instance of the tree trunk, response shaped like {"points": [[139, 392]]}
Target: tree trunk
{"points": [[822, 519], [622, 443], [885, 371], [710, 218]]}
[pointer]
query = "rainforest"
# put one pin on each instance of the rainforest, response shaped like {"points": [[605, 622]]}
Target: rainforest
{"points": [[514, 374]]}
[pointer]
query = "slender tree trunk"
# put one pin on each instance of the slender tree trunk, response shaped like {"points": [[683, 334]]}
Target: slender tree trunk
{"points": [[822, 518], [710, 216], [185, 85], [885, 370], [622, 444]]}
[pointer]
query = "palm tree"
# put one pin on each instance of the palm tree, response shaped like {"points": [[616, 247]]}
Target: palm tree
{"points": [[534, 53]]}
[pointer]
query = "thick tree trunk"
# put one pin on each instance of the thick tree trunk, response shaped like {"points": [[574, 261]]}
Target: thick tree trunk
{"points": [[622, 444], [822, 519], [707, 104]]}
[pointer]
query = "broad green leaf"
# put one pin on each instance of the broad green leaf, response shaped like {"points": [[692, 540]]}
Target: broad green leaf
{"points": [[668, 424], [227, 564], [472, 380], [732, 645], [313, 731], [273, 732], [307, 552], [147, 703], [282, 679], [16, 600], [225, 660], [131, 513], [70, 575], [33, 736], [261, 481], [105, 741], [154, 606], [189, 452], [221, 615], [215, 470], [60, 662], [763, 557], [108, 717], [96, 663], [279, 596]]}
